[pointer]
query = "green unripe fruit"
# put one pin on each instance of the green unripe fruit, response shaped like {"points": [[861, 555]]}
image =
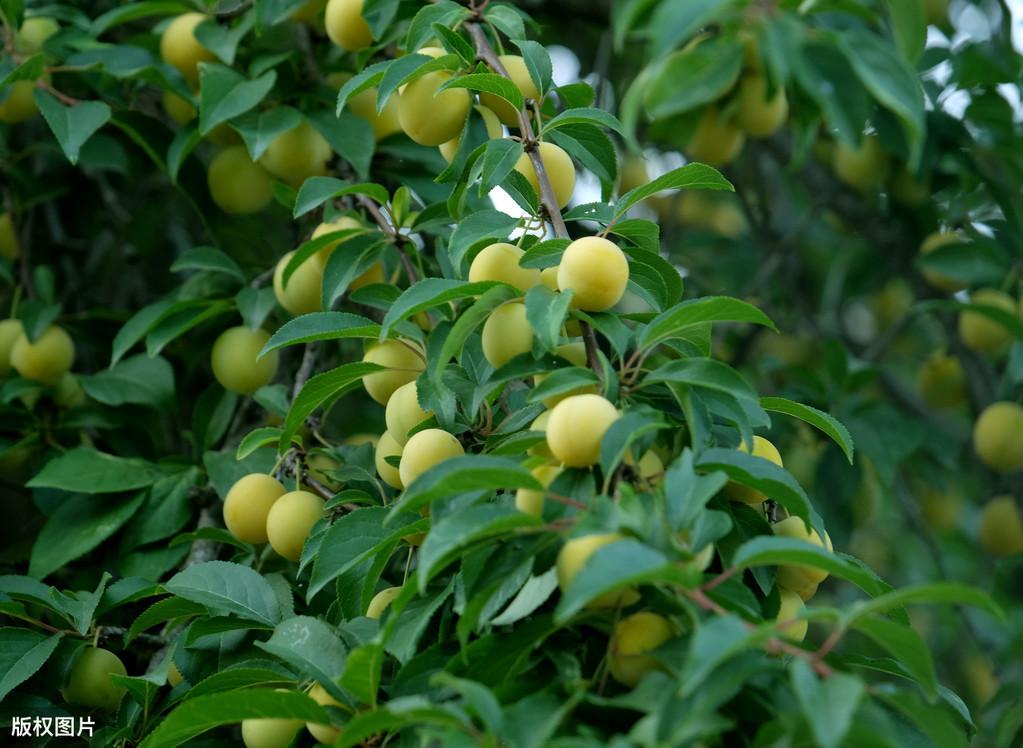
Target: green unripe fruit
{"points": [[519, 74], [575, 353], [576, 428], [302, 294], [403, 412], [388, 446], [19, 104], [716, 141], [797, 577], [404, 364], [269, 733], [90, 684], [507, 334], [596, 271], [33, 34], [180, 49], [632, 174], [574, 555], [174, 676], [981, 333], [346, 26], [235, 363], [790, 607], [490, 121], [761, 448], [531, 502], [247, 506], [178, 108], [319, 466], [290, 520], [942, 381], [47, 359], [933, 242], [325, 734], [906, 189], [297, 154], [759, 116], [8, 237], [237, 185], [864, 167], [500, 262], [424, 450], [10, 331], [381, 601], [68, 392], [1001, 527], [430, 117], [997, 437], [560, 171], [632, 638]]}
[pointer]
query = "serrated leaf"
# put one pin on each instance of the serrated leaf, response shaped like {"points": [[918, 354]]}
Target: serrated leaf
{"points": [[228, 587], [676, 321], [817, 418]]}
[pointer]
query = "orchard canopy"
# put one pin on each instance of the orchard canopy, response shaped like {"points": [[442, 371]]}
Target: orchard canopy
{"points": [[568, 373]]}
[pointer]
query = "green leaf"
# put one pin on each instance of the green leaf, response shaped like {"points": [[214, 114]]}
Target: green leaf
{"points": [[544, 254], [224, 94], [311, 646], [168, 609], [951, 593], [427, 294], [22, 653], [309, 328], [360, 82], [196, 716], [674, 322], [320, 389], [318, 190], [256, 439], [828, 703], [692, 78], [546, 312], [674, 23], [974, 263], [351, 137], [1006, 319], [908, 27], [72, 125], [477, 227], [468, 321], [817, 418], [229, 588], [208, 258], [138, 380], [498, 160], [933, 720], [687, 493], [586, 116], [242, 676], [905, 645], [693, 176], [420, 30], [180, 318], [223, 40], [705, 373], [488, 83], [86, 470], [133, 11], [714, 642], [136, 328], [362, 672], [258, 129]]}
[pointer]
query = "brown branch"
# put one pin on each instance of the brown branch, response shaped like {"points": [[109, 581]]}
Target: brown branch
{"points": [[305, 369]]}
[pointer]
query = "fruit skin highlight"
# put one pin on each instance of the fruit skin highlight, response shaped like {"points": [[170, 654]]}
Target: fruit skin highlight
{"points": [[247, 506], [596, 271], [996, 437], [632, 638], [577, 426], [424, 450], [500, 262], [1001, 527], [560, 171], [290, 520], [235, 363]]}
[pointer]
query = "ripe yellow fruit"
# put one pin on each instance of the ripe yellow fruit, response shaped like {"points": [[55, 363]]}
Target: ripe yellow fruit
{"points": [[649, 465], [404, 364], [797, 577], [8, 237], [297, 154], [364, 104], [304, 291], [10, 331], [716, 140], [309, 12], [759, 116], [19, 104], [424, 450], [381, 601], [403, 412], [996, 437], [574, 555], [325, 734], [174, 676], [941, 510], [270, 733], [631, 640], [1001, 527], [633, 173], [862, 168], [500, 262], [761, 448], [237, 185], [235, 363], [490, 121], [290, 521], [941, 381], [345, 25], [530, 501], [90, 684], [180, 49], [931, 243], [47, 359], [33, 34], [560, 171], [68, 392], [375, 274], [247, 506], [429, 117], [577, 426], [575, 353], [507, 334], [519, 74], [388, 446], [597, 272], [983, 334], [540, 449], [178, 108], [791, 606], [549, 277]]}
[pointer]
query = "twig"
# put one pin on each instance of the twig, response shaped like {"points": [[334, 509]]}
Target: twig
{"points": [[305, 369]]}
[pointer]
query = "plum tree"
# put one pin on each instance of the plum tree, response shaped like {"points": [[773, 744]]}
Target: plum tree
{"points": [[247, 506], [632, 639], [290, 520], [574, 353], [574, 555], [47, 359], [424, 450], [404, 363], [507, 334], [516, 68], [861, 167], [789, 608], [90, 684], [10, 331], [346, 26], [18, 104], [761, 448], [297, 154], [180, 49], [324, 734], [381, 601], [375, 273], [388, 446], [237, 184], [302, 293], [798, 577], [531, 502], [1001, 528], [760, 116], [235, 360], [716, 140], [403, 412], [576, 428], [941, 380], [978, 331], [490, 122], [935, 241], [270, 732], [996, 436], [596, 271], [8, 237], [559, 167], [429, 116], [500, 262]]}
